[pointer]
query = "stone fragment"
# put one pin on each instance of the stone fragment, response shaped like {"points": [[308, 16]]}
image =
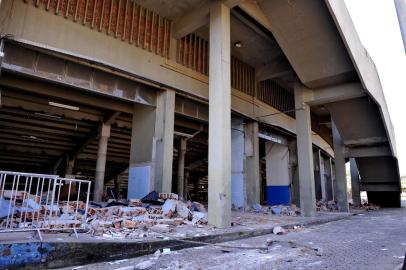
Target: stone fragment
{"points": [[169, 208], [278, 230]]}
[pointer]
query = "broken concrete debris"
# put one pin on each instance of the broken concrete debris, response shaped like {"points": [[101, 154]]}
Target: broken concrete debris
{"points": [[157, 211], [285, 210]]}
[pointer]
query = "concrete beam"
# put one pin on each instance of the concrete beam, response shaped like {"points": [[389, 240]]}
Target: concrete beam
{"points": [[334, 93], [194, 19], [367, 151], [254, 10], [304, 153], [220, 117]]}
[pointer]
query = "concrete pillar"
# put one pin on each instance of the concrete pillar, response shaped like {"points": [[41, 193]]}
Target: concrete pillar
{"points": [[252, 174], [238, 195], [277, 173], [141, 170], [181, 166], [164, 129], [333, 177], [323, 183], [328, 178], [305, 154], [152, 147], [219, 117], [294, 172], [69, 168], [101, 162], [340, 187], [355, 183]]}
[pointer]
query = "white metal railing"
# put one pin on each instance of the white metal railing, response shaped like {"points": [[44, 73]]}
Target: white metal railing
{"points": [[35, 202]]}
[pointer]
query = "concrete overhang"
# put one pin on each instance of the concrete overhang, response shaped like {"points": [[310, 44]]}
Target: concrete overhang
{"points": [[321, 44]]}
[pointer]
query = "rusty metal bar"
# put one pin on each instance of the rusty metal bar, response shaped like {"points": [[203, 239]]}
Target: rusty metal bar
{"points": [[168, 47], [195, 53], [84, 17], [110, 16], [57, 6], [102, 15], [151, 30], [204, 57], [139, 25], [67, 8], [94, 14], [75, 17], [158, 39], [125, 21], [144, 44], [184, 52], [165, 40], [117, 19], [132, 22]]}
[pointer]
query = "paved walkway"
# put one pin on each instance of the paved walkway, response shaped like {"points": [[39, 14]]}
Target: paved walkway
{"points": [[371, 240]]}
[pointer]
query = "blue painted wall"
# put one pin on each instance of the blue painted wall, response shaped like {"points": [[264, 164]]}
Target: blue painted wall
{"points": [[19, 254]]}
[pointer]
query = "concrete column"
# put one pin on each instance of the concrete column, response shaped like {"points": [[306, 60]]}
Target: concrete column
{"points": [[305, 153], [328, 178], [69, 168], [332, 178], [141, 167], [294, 172], [238, 197], [101, 162], [252, 174], [324, 195], [340, 187], [181, 166], [277, 173], [355, 183], [152, 147], [164, 129], [219, 117]]}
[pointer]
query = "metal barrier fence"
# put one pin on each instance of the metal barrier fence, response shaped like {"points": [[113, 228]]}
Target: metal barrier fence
{"points": [[35, 202]]}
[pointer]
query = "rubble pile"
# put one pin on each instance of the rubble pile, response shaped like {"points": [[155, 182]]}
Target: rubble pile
{"points": [[327, 206], [157, 212], [284, 210], [369, 206]]}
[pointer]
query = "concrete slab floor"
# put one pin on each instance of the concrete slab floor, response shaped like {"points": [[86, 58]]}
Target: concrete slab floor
{"points": [[242, 221], [370, 240]]}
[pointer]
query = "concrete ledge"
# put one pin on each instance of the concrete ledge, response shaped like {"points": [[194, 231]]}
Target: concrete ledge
{"points": [[46, 255]]}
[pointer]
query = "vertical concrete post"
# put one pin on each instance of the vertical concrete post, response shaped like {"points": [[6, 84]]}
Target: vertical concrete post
{"points": [[238, 195], [294, 172], [355, 183], [252, 174], [340, 187], [219, 117], [69, 168], [164, 128], [305, 154], [332, 178], [324, 195], [181, 166], [101, 162], [141, 167]]}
